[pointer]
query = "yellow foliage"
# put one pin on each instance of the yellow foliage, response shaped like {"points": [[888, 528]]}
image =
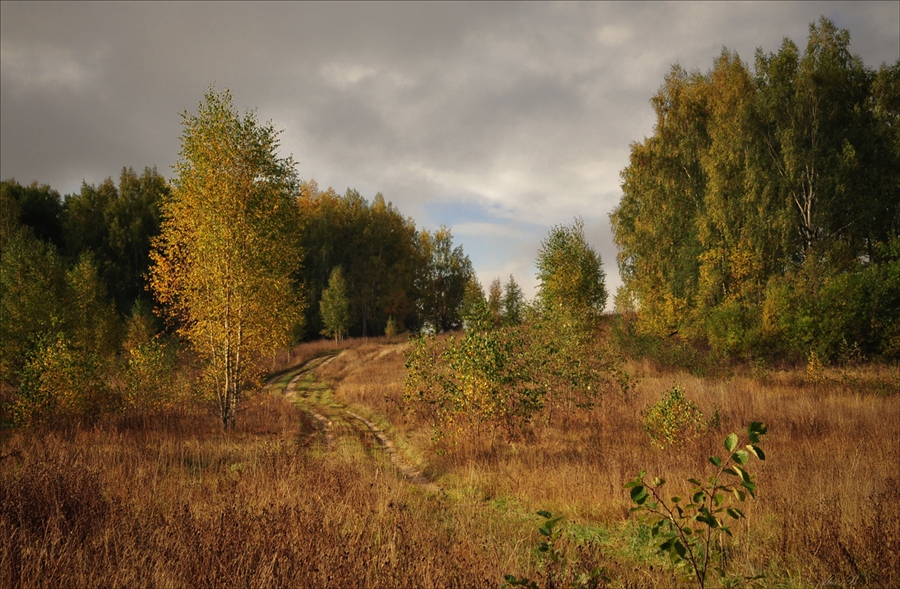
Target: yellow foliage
{"points": [[223, 263]]}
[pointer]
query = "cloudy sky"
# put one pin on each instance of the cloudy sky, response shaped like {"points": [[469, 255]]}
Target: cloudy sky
{"points": [[498, 120]]}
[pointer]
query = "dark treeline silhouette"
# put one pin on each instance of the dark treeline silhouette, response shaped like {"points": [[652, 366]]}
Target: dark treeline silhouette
{"points": [[392, 270]]}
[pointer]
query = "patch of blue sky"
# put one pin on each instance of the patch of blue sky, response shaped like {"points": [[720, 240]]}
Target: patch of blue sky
{"points": [[497, 244]]}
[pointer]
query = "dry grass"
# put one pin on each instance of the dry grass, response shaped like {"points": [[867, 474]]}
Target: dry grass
{"points": [[829, 504], [303, 353], [174, 502], [187, 506]]}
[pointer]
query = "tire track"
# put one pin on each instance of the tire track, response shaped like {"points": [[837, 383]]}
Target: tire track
{"points": [[323, 424], [302, 386], [408, 471]]}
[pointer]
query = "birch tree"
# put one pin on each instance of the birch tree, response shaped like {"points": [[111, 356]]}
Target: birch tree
{"points": [[572, 281], [223, 262], [335, 307]]}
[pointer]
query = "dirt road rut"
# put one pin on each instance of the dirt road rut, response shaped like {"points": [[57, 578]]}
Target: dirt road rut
{"points": [[301, 386]]}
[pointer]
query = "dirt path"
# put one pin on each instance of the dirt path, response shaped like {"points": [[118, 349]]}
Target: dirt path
{"points": [[409, 472], [301, 386]]}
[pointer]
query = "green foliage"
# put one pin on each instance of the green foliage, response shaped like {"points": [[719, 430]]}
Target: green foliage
{"points": [[691, 529], [825, 312], [673, 351], [92, 320], [571, 274], [335, 307], [673, 420], [504, 377], [61, 381], [495, 302], [117, 223], [572, 362], [756, 217], [480, 379], [140, 327], [391, 269], [148, 373], [133, 221], [58, 333], [513, 302], [10, 213], [444, 281], [150, 376], [35, 206], [550, 535], [555, 564], [377, 247], [112, 226], [32, 299], [545, 359], [475, 311]]}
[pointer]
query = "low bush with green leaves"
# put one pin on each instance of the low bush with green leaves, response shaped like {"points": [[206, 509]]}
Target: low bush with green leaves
{"points": [[673, 420], [692, 528], [505, 377]]}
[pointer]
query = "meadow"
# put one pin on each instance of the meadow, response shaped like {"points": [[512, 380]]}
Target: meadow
{"points": [[170, 500]]}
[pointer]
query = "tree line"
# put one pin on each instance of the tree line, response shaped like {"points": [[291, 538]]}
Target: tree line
{"points": [[234, 254], [762, 217], [392, 271]]}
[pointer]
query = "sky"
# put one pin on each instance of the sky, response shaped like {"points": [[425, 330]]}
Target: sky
{"points": [[497, 120]]}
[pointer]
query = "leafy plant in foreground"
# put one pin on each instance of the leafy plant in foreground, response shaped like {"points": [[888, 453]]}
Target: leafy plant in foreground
{"points": [[688, 526], [556, 562]]}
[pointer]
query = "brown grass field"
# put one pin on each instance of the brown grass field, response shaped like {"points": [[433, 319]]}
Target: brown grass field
{"points": [[172, 501]]}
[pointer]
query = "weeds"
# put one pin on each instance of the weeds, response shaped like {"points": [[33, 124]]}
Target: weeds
{"points": [[555, 565]]}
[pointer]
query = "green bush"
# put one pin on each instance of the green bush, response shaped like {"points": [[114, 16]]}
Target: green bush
{"points": [[150, 377], [504, 377], [673, 420], [733, 330], [858, 310], [61, 381]]}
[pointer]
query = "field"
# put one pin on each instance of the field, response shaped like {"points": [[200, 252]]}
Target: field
{"points": [[304, 494]]}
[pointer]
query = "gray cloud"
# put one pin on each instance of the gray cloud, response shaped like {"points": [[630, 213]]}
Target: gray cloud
{"points": [[522, 112]]}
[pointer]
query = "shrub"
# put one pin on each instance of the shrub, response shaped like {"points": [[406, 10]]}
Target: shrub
{"points": [[390, 330], [504, 377], [673, 420], [59, 380], [150, 376]]}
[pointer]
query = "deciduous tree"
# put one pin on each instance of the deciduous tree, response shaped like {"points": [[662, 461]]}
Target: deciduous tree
{"points": [[571, 274], [759, 185], [335, 307], [32, 299], [443, 283], [223, 263]]}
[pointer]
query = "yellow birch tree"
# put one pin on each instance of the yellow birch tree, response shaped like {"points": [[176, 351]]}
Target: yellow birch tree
{"points": [[223, 265]]}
